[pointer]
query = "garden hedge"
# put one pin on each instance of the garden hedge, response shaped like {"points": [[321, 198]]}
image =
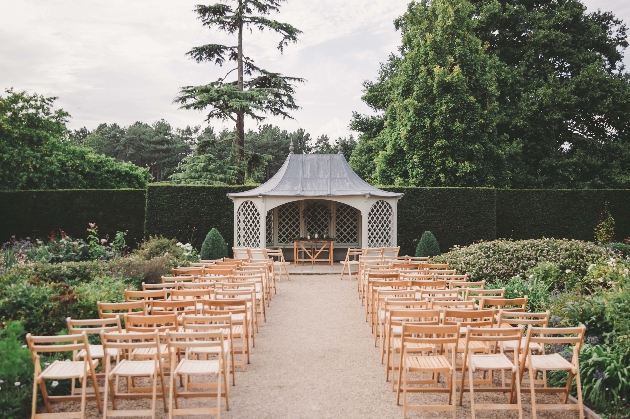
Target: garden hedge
{"points": [[189, 212], [35, 214], [569, 214], [456, 216]]}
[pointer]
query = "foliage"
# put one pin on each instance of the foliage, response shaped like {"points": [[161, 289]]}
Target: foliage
{"points": [[504, 259], [190, 253], [159, 246], [558, 98], [158, 147], [428, 245], [104, 288], [535, 288], [16, 373], [265, 92], [136, 270], [622, 248], [213, 247], [605, 230], [34, 153]]}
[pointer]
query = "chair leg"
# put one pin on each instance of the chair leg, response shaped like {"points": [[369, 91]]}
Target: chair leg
{"points": [[532, 376], [83, 391], [471, 390], [34, 404], [171, 394], [579, 393]]}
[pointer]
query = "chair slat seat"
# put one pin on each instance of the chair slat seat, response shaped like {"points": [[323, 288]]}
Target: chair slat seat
{"points": [[143, 352], [491, 362], [437, 363], [65, 369], [134, 368], [196, 367], [510, 346], [551, 362]]}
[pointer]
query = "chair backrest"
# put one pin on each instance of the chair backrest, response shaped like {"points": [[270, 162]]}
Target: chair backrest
{"points": [[394, 303], [131, 295], [192, 294], [225, 306], [475, 318], [493, 336], [129, 342], [218, 270], [93, 326], [515, 318], [466, 284], [149, 323], [429, 335], [184, 278], [438, 294], [397, 316], [59, 343], [162, 286], [428, 286], [258, 254], [430, 266], [476, 294], [390, 252], [382, 276], [172, 306], [230, 262], [208, 323], [203, 285], [505, 304], [180, 342], [113, 310], [186, 271], [558, 336], [207, 261], [405, 266], [240, 253], [457, 305], [373, 252]]}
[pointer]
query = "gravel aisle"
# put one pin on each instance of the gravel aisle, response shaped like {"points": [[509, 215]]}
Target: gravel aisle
{"points": [[314, 358]]}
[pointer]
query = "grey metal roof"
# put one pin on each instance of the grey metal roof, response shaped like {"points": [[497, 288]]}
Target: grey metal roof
{"points": [[315, 175]]}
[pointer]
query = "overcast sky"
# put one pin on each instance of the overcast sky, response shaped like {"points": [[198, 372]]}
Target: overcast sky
{"points": [[124, 61]]}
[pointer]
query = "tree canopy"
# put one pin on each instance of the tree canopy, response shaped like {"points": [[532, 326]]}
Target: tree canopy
{"points": [[500, 93], [263, 92], [35, 151]]}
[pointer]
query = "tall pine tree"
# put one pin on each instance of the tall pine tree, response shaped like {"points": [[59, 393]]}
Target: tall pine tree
{"points": [[263, 91]]}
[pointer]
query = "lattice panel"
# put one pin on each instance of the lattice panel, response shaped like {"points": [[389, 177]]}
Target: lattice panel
{"points": [[288, 222], [380, 225], [347, 224], [317, 218], [269, 228], [248, 225]]}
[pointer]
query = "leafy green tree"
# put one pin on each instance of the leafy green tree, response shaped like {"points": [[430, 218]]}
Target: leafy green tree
{"points": [[264, 92], [158, 147], [35, 151], [428, 245], [440, 97], [214, 246]]}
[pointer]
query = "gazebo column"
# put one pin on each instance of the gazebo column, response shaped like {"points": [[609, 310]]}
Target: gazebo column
{"points": [[394, 204], [262, 207], [364, 223]]}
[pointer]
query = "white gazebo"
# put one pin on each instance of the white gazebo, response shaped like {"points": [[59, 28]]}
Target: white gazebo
{"points": [[315, 194]]}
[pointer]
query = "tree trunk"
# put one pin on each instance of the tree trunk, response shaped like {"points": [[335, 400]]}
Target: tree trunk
{"points": [[240, 116]]}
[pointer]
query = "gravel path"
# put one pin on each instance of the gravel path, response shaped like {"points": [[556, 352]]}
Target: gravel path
{"points": [[315, 358]]}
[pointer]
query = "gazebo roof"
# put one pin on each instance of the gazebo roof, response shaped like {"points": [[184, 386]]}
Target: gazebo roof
{"points": [[315, 175]]}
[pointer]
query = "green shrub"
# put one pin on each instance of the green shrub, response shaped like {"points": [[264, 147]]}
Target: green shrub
{"points": [[71, 272], [428, 245], [539, 298], [16, 373], [622, 248], [136, 270], [214, 247], [107, 289], [158, 246], [504, 259]]}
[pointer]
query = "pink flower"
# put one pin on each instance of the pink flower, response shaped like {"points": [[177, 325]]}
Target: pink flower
{"points": [[103, 241], [92, 225]]}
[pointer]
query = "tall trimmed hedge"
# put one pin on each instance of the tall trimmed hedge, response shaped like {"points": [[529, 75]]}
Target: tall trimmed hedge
{"points": [[188, 212], [568, 214], [35, 214], [454, 215]]}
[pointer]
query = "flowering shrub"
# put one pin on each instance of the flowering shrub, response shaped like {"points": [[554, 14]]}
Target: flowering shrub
{"points": [[16, 373], [504, 259], [605, 275], [190, 253], [160, 246]]}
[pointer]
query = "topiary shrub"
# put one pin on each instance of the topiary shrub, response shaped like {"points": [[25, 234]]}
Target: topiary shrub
{"points": [[213, 247], [605, 230], [428, 245]]}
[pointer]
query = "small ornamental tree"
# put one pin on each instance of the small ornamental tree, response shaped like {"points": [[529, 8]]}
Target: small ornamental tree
{"points": [[213, 246], [428, 245], [605, 230]]}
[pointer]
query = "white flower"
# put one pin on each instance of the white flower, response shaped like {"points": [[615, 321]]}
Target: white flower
{"points": [[568, 271], [179, 244], [54, 383], [23, 346], [1, 381], [17, 383], [591, 266], [46, 363]]}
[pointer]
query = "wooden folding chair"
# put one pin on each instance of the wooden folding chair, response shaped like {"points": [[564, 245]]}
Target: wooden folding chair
{"points": [[94, 327], [113, 310], [476, 294], [242, 325], [132, 295], [489, 362], [248, 294], [378, 314], [428, 349], [222, 323], [460, 284], [543, 336], [187, 271], [70, 369], [350, 261], [143, 354], [505, 304], [390, 252], [194, 297], [280, 262], [162, 286], [240, 253], [451, 304], [191, 344], [393, 332], [180, 278]]}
